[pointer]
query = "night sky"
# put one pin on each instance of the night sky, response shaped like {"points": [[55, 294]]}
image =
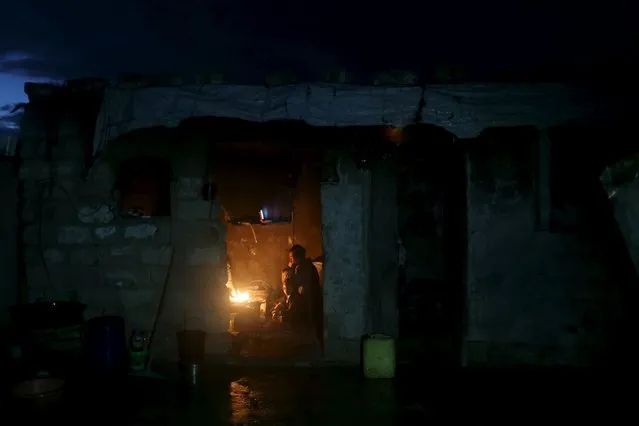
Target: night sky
{"points": [[44, 40]]}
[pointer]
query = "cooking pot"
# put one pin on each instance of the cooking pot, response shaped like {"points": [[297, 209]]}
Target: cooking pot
{"points": [[47, 315]]}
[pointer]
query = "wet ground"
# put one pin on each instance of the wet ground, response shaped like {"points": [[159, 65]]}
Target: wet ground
{"points": [[276, 397], [277, 343], [340, 396]]}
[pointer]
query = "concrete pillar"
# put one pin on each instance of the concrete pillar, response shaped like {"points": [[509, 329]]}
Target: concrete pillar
{"points": [[383, 249], [345, 218]]}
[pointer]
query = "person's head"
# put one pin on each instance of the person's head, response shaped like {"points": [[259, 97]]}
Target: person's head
{"points": [[296, 254]]}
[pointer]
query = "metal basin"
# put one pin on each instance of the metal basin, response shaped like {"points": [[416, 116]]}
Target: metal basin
{"points": [[41, 395]]}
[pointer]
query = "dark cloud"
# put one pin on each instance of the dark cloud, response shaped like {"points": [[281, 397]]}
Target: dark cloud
{"points": [[75, 38], [10, 122], [10, 116]]}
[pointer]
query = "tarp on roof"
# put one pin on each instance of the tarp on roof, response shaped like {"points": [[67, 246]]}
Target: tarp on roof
{"points": [[464, 110]]}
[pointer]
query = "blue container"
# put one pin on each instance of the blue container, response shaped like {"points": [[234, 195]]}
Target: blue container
{"points": [[106, 345]]}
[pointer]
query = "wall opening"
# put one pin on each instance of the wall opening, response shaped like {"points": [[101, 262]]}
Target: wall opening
{"points": [[144, 187], [432, 204], [268, 185]]}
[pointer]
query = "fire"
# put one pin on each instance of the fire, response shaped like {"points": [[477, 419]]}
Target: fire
{"points": [[239, 296]]}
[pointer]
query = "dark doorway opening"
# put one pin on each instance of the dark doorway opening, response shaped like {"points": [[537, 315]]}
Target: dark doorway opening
{"points": [[266, 178], [432, 229]]}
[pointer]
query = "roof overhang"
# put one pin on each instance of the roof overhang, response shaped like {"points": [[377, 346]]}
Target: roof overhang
{"points": [[464, 110]]}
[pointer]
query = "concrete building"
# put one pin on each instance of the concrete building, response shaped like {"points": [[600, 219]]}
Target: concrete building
{"points": [[517, 276]]}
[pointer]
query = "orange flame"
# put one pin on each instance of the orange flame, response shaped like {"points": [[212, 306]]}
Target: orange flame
{"points": [[239, 296]]}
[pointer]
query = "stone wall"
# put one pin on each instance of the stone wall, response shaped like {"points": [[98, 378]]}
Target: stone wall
{"points": [[8, 238], [534, 298]]}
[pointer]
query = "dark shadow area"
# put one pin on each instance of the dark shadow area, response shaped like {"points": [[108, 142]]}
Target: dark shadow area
{"points": [[234, 396], [432, 200], [144, 186], [576, 185]]}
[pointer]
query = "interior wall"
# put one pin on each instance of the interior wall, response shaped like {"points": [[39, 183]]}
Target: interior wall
{"points": [[307, 211], [247, 183], [260, 252]]}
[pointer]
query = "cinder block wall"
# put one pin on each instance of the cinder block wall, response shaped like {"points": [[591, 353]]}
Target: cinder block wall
{"points": [[76, 246]]}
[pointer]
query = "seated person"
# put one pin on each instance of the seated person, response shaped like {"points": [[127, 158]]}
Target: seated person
{"points": [[292, 307], [306, 279]]}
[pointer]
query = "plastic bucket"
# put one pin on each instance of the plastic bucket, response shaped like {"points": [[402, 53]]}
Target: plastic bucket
{"points": [[191, 346], [139, 359], [190, 374], [106, 344]]}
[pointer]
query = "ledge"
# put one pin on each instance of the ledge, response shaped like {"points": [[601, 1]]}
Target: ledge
{"points": [[464, 110]]}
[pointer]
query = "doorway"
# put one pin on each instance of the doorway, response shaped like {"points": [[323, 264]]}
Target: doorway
{"points": [[432, 231], [267, 180]]}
